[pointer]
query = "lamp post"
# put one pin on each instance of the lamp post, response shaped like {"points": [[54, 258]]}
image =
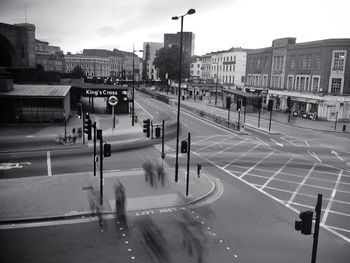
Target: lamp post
{"points": [[189, 12], [133, 84]]}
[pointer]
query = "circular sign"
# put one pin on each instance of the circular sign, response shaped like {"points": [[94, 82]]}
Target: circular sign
{"points": [[263, 93], [113, 100]]}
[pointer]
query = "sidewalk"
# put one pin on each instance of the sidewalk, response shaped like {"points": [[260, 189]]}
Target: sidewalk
{"points": [[279, 117], [66, 196]]}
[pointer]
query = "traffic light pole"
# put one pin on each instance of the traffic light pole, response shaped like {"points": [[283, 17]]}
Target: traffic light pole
{"points": [[270, 120], [83, 126], [239, 119], [94, 126], [188, 163], [101, 169], [259, 117], [317, 227], [228, 115], [163, 154]]}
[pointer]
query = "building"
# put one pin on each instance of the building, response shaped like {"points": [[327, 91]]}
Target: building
{"points": [[206, 66], [188, 41], [315, 75], [149, 52], [196, 67], [48, 58]]}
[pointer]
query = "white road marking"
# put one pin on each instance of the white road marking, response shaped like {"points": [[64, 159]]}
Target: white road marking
{"points": [[279, 144], [208, 146], [307, 144], [205, 139], [276, 173], [224, 150], [337, 155], [145, 110], [256, 146], [251, 168], [300, 185], [325, 215], [315, 156], [263, 142], [49, 172]]}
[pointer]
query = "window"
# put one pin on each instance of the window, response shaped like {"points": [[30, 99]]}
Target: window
{"points": [[290, 82], [242, 79], [292, 63], [317, 61], [336, 85], [315, 83], [338, 60]]}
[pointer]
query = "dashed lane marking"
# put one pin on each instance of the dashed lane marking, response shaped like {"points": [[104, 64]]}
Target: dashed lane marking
{"points": [[49, 171]]}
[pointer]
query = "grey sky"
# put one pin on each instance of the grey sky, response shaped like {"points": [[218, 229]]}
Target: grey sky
{"points": [[218, 24]]}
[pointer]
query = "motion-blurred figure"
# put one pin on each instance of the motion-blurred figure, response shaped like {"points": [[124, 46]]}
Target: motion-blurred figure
{"points": [[153, 239], [96, 207], [120, 201]]}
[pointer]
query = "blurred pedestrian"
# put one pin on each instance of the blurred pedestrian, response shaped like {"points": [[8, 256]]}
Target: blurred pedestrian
{"points": [[160, 174], [120, 201], [74, 135], [96, 207], [79, 133]]}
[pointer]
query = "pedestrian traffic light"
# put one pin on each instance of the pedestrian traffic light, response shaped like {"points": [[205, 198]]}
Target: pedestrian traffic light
{"points": [[305, 225], [184, 146], [107, 150], [157, 132], [270, 105], [244, 101], [239, 105], [228, 102], [87, 126], [146, 127], [199, 167]]}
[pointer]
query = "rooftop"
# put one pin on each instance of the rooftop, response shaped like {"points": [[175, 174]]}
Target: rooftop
{"points": [[27, 90]]}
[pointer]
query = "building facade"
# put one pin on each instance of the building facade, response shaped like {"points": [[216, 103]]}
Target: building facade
{"points": [[149, 52], [92, 66], [315, 75], [48, 58], [188, 41], [196, 68]]}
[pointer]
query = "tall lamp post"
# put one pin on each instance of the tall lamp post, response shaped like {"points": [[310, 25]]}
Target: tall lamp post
{"points": [[189, 12], [133, 84]]}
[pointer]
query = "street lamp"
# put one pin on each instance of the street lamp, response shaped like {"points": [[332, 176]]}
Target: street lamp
{"points": [[133, 84], [189, 12]]}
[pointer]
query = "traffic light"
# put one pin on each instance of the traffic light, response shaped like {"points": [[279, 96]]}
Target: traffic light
{"points": [[199, 167], [184, 146], [80, 110], [305, 225], [146, 126], [239, 105], [244, 101], [87, 126], [270, 105], [228, 102], [107, 150], [157, 132]]}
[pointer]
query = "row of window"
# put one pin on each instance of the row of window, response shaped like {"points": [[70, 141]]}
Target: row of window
{"points": [[223, 59], [86, 60]]}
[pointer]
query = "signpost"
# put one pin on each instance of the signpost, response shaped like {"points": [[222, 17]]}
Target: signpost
{"points": [[113, 100]]}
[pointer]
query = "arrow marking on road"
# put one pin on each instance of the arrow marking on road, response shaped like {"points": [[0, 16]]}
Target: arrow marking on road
{"points": [[337, 154], [279, 144]]}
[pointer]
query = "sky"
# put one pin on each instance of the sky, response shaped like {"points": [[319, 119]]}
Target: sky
{"points": [[217, 24]]}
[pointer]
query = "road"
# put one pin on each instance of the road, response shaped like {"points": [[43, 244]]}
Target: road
{"points": [[252, 218]]}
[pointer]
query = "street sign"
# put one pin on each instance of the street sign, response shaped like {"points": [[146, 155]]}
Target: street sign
{"points": [[113, 100]]}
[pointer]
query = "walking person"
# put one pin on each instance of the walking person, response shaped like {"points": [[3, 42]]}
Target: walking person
{"points": [[120, 200], [96, 207], [74, 135]]}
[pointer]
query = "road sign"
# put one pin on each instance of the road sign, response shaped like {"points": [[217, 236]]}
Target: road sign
{"points": [[112, 100]]}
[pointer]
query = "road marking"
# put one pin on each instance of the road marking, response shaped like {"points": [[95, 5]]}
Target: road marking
{"points": [[49, 172], [205, 139], [205, 147], [279, 144], [145, 110], [315, 156], [307, 143], [263, 142], [300, 185], [8, 166], [224, 150], [337, 154], [276, 173], [256, 146], [251, 168], [325, 215]]}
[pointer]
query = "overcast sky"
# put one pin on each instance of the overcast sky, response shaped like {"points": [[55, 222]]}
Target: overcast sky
{"points": [[217, 24]]}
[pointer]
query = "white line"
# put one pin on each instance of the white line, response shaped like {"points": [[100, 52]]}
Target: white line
{"points": [[145, 110], [205, 139], [208, 146], [251, 168], [338, 228], [279, 144], [307, 143], [325, 215], [224, 150], [262, 141], [300, 185], [256, 146], [315, 156], [276, 173], [49, 172]]}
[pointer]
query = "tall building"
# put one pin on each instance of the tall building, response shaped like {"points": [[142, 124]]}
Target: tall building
{"points": [[149, 52], [315, 75], [196, 67], [188, 41]]}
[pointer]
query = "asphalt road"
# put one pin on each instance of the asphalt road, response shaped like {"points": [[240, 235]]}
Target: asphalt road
{"points": [[252, 218]]}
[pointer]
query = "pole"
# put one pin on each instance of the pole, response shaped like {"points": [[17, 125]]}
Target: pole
{"points": [[228, 115], [163, 155], [178, 110], [133, 87], [151, 129], [259, 117], [83, 113], [92, 99], [101, 170], [113, 116], [65, 128], [216, 84], [317, 227], [244, 113], [270, 120], [188, 163], [239, 118], [336, 119], [94, 126]]}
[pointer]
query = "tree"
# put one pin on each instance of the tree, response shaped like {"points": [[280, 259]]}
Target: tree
{"points": [[77, 72], [167, 61]]}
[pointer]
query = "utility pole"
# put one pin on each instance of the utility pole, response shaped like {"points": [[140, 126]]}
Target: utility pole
{"points": [[317, 227], [100, 137], [188, 163], [94, 126]]}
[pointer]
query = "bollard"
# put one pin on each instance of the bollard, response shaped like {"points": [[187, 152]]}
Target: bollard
{"points": [[344, 128]]}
